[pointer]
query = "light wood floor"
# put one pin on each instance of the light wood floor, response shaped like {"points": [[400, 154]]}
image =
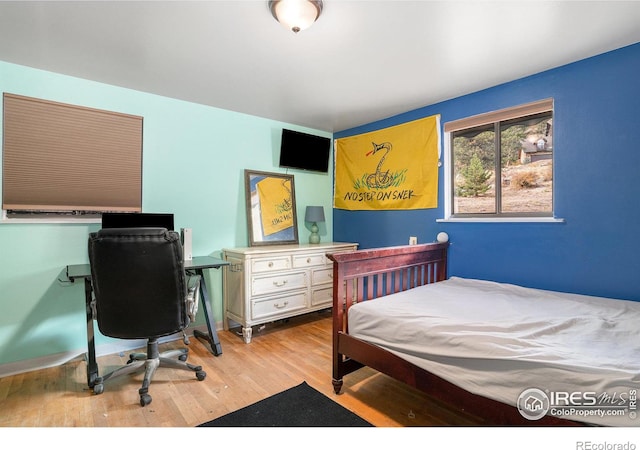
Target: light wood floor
{"points": [[281, 356]]}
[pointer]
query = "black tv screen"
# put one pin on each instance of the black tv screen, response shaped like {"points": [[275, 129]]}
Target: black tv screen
{"points": [[304, 151], [137, 220]]}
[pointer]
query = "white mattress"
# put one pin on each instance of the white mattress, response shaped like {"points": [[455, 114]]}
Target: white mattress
{"points": [[497, 340]]}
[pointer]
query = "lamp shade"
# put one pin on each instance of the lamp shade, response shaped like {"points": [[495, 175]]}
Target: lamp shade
{"points": [[296, 15], [314, 214]]}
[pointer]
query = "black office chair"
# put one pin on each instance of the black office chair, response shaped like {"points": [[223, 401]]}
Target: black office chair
{"points": [[141, 292]]}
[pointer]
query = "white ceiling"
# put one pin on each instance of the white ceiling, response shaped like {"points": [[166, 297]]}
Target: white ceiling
{"points": [[361, 61]]}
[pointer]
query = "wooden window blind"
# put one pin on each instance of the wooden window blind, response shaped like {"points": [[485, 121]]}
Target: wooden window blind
{"points": [[60, 158], [501, 115]]}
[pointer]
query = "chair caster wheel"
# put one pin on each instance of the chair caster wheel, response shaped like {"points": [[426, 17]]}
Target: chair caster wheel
{"points": [[98, 388], [201, 375], [145, 399], [183, 357]]}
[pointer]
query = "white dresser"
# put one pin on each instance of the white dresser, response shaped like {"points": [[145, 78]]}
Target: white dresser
{"points": [[264, 284]]}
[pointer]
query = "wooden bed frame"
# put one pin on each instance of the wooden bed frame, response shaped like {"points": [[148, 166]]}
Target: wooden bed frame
{"points": [[367, 274]]}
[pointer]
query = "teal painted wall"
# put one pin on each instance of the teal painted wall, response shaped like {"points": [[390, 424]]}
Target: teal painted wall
{"points": [[194, 158]]}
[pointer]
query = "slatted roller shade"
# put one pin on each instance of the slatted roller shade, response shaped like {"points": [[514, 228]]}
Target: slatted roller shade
{"points": [[63, 158]]}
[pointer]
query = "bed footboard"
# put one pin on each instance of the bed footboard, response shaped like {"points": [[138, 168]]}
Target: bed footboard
{"points": [[367, 274]]}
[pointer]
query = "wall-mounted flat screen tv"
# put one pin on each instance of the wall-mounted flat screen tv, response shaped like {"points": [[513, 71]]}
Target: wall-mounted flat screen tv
{"points": [[304, 151]]}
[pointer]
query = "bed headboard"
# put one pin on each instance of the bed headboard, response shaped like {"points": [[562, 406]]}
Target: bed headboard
{"points": [[367, 274]]}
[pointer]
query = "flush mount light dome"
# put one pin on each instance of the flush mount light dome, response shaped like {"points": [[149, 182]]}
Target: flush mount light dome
{"points": [[296, 15]]}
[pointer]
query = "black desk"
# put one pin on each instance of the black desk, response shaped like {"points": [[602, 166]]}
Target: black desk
{"points": [[197, 265]]}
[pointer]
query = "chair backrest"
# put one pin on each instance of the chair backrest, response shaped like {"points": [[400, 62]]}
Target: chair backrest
{"points": [[139, 283]]}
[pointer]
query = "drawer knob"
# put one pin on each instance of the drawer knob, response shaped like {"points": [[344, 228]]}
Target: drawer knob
{"points": [[270, 263], [280, 306], [308, 260], [280, 283]]}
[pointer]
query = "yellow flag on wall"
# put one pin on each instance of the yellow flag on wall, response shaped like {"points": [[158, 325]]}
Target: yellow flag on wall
{"points": [[392, 168], [279, 216]]}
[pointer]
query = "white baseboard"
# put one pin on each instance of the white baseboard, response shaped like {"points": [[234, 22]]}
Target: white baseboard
{"points": [[45, 362]]}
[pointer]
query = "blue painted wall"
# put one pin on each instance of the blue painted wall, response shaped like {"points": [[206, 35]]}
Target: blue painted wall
{"points": [[194, 161], [596, 187]]}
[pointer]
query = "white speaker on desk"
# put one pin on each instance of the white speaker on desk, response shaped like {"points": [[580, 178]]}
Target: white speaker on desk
{"points": [[187, 247]]}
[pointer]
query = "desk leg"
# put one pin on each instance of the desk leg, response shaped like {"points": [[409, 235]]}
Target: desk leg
{"points": [[212, 336], [92, 365]]}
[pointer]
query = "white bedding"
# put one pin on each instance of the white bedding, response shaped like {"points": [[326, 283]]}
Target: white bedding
{"points": [[497, 340]]}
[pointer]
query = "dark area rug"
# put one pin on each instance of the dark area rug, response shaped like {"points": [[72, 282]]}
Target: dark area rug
{"points": [[299, 406]]}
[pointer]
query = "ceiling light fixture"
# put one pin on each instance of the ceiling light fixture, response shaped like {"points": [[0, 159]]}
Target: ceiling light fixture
{"points": [[296, 15]]}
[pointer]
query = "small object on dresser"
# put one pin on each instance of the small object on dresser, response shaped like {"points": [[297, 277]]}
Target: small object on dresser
{"points": [[314, 214]]}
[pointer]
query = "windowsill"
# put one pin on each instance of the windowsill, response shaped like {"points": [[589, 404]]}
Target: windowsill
{"points": [[49, 219], [503, 219]]}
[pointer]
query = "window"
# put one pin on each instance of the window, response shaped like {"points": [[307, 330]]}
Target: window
{"points": [[66, 160], [501, 163]]}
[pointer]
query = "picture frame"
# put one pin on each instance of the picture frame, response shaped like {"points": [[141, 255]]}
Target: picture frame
{"points": [[271, 208]]}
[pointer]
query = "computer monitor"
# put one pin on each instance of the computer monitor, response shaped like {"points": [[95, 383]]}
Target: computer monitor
{"points": [[137, 220]]}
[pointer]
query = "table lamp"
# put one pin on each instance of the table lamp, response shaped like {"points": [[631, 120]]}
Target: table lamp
{"points": [[314, 214]]}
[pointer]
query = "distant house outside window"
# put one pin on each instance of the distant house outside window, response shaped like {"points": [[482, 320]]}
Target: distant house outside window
{"points": [[500, 164]]}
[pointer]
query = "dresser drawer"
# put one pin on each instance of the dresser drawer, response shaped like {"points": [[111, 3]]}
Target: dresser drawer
{"points": [[322, 296], [267, 284], [313, 259], [320, 276], [271, 264], [282, 304]]}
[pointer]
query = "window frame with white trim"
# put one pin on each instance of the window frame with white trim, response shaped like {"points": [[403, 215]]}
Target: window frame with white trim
{"points": [[496, 122]]}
